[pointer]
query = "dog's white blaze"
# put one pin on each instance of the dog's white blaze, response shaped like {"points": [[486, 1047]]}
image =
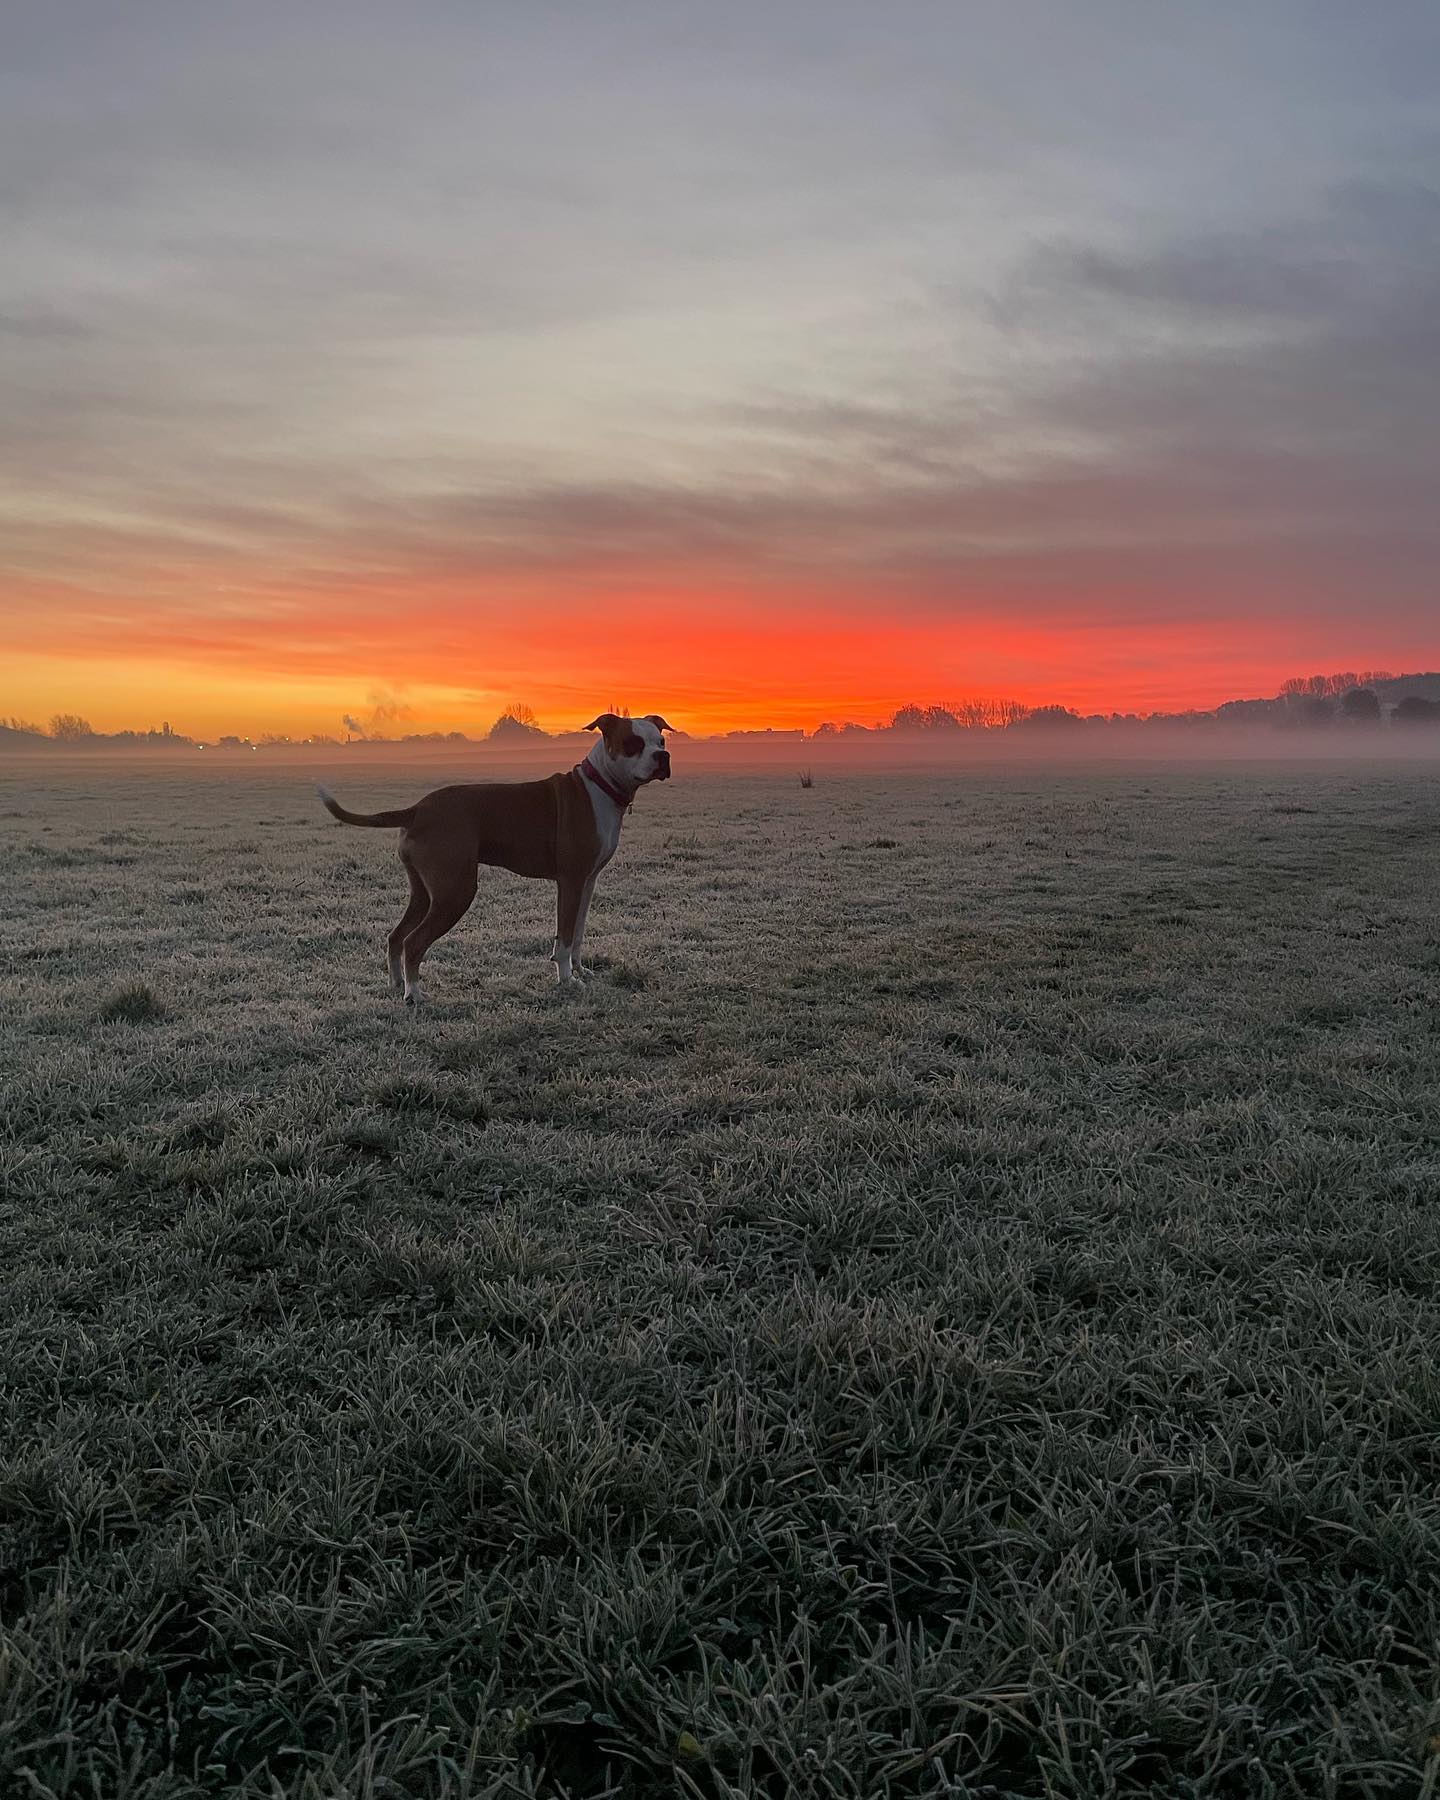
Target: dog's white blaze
{"points": [[649, 757], [631, 771], [608, 815]]}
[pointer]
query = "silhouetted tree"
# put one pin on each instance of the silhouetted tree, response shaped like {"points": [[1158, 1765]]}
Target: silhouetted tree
{"points": [[1049, 717], [985, 714], [70, 728], [1361, 706], [517, 721], [1413, 710], [977, 714], [1247, 712]]}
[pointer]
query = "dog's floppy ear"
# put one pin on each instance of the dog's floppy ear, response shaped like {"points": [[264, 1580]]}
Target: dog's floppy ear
{"points": [[606, 722], [658, 722]]}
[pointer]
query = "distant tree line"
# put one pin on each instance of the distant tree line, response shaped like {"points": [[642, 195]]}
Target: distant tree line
{"points": [[1330, 687], [1370, 700], [71, 730], [516, 724], [1312, 702]]}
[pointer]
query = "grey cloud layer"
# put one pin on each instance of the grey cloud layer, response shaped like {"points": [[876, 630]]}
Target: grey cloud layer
{"points": [[1145, 298]]}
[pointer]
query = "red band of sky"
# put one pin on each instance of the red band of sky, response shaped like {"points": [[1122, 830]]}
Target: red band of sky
{"points": [[450, 656]]}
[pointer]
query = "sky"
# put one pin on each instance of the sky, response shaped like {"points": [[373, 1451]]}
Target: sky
{"points": [[757, 364]]}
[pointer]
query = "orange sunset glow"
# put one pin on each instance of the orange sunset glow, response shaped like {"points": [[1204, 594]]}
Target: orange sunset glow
{"points": [[716, 660]]}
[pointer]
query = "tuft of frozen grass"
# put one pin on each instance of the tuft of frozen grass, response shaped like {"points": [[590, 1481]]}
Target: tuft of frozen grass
{"points": [[136, 1003]]}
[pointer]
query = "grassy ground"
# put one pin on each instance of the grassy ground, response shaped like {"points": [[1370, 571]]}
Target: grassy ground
{"points": [[952, 1310]]}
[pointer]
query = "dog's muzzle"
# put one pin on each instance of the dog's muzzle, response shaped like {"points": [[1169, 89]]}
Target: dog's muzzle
{"points": [[662, 766]]}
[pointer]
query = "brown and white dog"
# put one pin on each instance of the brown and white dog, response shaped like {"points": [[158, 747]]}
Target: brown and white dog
{"points": [[562, 829]]}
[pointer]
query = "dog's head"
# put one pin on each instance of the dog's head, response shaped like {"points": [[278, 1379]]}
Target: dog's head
{"points": [[634, 749]]}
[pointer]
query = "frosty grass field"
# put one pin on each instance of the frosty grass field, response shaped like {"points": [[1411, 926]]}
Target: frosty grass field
{"points": [[951, 1309]]}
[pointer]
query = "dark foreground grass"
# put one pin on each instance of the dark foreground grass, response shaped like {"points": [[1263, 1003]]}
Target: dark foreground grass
{"points": [[952, 1310]]}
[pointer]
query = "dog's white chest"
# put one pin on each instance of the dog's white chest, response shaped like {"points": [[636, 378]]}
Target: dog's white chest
{"points": [[607, 823]]}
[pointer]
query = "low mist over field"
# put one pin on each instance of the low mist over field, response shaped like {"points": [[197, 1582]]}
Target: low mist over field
{"points": [[1344, 714]]}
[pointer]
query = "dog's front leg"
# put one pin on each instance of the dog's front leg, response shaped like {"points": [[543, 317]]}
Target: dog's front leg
{"points": [[577, 967], [568, 895]]}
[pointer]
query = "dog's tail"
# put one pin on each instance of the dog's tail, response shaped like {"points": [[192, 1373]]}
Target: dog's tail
{"points": [[401, 815]]}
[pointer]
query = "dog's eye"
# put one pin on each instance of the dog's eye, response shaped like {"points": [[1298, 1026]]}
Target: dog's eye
{"points": [[634, 745]]}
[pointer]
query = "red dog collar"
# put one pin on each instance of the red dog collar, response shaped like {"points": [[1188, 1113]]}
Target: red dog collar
{"points": [[591, 773]]}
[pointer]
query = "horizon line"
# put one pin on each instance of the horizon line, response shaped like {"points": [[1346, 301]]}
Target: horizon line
{"points": [[972, 714]]}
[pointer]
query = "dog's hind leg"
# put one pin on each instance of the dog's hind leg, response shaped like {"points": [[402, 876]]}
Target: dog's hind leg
{"points": [[452, 888], [415, 911]]}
